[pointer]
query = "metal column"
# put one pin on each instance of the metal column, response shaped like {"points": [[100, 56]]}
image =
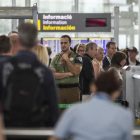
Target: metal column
{"points": [[21, 21], [27, 4], [76, 11], [14, 21], [116, 25], [35, 15]]}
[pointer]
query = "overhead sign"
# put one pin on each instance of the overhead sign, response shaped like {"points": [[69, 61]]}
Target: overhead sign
{"points": [[75, 22], [16, 12]]}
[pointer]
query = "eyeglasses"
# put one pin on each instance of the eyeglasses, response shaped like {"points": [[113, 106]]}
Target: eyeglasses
{"points": [[80, 50]]}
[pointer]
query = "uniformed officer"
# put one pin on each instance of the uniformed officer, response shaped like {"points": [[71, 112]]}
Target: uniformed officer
{"points": [[67, 66]]}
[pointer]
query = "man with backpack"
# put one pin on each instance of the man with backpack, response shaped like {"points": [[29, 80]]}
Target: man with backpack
{"points": [[29, 96]]}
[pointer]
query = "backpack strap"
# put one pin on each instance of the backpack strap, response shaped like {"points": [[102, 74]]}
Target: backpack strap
{"points": [[14, 61]]}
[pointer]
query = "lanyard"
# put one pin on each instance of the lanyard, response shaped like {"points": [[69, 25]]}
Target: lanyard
{"points": [[64, 62]]}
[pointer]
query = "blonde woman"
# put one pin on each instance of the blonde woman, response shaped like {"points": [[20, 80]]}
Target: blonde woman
{"points": [[97, 62], [42, 54], [81, 49]]}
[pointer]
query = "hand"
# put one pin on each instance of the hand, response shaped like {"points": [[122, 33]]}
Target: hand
{"points": [[65, 56], [69, 74]]}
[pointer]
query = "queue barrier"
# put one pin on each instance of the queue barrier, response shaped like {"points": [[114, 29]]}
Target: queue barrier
{"points": [[69, 105], [44, 133]]}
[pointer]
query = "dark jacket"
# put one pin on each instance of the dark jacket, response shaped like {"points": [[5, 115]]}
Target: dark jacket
{"points": [[106, 63], [137, 62], [87, 74], [4, 57], [49, 93]]}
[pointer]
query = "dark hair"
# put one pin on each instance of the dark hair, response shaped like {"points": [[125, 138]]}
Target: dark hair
{"points": [[90, 45], [117, 58], [5, 44], [13, 32], [110, 43], [75, 48], [107, 82], [71, 49], [28, 35], [66, 36], [125, 51], [49, 51]]}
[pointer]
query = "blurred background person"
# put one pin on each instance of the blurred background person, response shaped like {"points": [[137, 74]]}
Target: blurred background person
{"points": [[87, 72], [97, 62], [75, 48], [42, 54], [117, 63], [49, 53], [111, 47], [14, 38], [132, 53], [12, 32], [81, 49], [5, 47], [98, 118]]}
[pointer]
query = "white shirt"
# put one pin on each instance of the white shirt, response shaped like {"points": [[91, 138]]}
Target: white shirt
{"points": [[131, 63]]}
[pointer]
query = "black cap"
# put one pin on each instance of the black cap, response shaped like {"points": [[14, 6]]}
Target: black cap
{"points": [[133, 49]]}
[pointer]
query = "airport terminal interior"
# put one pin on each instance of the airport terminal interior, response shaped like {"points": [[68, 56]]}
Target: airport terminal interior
{"points": [[77, 67]]}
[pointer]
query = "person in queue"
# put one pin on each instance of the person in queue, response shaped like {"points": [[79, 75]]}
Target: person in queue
{"points": [[111, 47], [12, 32], [117, 63], [66, 67], [87, 72], [97, 62], [99, 118], [132, 53], [42, 54], [46, 92], [81, 49], [5, 47]]}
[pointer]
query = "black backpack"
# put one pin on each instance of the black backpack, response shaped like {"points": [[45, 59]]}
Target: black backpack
{"points": [[22, 97]]}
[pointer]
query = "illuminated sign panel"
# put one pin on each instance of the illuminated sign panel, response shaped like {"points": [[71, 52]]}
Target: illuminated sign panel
{"points": [[75, 22], [92, 22], [16, 12]]}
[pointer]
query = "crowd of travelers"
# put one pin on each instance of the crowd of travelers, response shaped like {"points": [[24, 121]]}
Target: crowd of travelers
{"points": [[36, 89]]}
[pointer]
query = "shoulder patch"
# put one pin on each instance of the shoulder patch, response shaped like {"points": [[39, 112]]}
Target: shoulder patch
{"points": [[79, 58]]}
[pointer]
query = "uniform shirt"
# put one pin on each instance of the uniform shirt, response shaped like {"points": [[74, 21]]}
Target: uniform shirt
{"points": [[96, 119], [61, 68]]}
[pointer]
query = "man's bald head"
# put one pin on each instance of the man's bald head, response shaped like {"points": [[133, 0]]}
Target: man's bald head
{"points": [[15, 43]]}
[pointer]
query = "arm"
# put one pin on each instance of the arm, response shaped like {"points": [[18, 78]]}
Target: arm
{"points": [[74, 69], [1, 128], [96, 67], [61, 75]]}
